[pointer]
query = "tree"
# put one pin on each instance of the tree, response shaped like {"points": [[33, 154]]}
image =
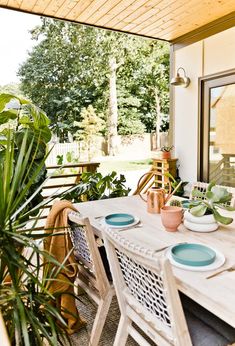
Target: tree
{"points": [[88, 129], [70, 68], [12, 88]]}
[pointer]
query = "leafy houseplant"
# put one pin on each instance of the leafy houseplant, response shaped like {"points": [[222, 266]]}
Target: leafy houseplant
{"points": [[174, 182], [94, 186], [207, 205], [166, 151], [24, 296]]}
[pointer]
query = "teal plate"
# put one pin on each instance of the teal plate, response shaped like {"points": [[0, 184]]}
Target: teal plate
{"points": [[119, 219], [193, 254]]}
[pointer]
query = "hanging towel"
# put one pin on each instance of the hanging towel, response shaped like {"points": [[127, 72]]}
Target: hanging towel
{"points": [[59, 246]]}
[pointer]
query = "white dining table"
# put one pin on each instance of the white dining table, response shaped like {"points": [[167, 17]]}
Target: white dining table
{"points": [[216, 294]]}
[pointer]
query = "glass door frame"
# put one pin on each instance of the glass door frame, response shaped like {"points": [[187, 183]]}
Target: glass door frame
{"points": [[205, 85]]}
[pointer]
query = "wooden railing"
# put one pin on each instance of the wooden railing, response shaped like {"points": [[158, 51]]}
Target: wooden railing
{"points": [[63, 182], [224, 171], [79, 167]]}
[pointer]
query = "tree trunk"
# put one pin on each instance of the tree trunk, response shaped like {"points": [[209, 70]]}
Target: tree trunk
{"points": [[158, 117], [113, 109]]}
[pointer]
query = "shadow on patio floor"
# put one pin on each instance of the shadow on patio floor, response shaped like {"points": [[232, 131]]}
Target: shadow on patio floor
{"points": [[87, 310]]}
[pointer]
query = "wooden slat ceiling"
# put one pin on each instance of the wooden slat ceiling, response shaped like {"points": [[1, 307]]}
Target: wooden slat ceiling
{"points": [[163, 19]]}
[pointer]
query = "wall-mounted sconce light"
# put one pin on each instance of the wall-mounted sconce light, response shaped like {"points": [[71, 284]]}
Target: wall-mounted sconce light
{"points": [[180, 80]]}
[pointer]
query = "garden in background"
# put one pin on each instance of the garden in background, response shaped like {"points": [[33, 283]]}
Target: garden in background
{"points": [[96, 85], [85, 94]]}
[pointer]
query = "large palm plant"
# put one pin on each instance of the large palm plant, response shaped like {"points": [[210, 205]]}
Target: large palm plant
{"points": [[24, 298]]}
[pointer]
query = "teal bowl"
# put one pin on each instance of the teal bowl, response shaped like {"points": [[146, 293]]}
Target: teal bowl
{"points": [[193, 254], [119, 219]]}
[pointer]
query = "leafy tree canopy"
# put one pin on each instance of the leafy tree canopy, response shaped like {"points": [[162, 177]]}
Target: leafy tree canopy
{"points": [[69, 69]]}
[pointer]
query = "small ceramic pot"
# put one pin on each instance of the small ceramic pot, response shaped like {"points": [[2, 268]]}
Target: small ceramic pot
{"points": [[171, 217], [166, 154]]}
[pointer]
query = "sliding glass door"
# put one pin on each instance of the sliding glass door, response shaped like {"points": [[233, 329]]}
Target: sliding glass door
{"points": [[217, 129]]}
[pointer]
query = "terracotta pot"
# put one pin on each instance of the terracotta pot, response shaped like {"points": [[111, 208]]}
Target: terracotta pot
{"points": [[171, 217], [166, 154]]}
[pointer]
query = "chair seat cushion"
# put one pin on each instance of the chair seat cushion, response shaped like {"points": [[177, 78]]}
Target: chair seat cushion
{"points": [[205, 328]]}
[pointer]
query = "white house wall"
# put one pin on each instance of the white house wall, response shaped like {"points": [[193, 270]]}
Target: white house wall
{"points": [[219, 52], [212, 55]]}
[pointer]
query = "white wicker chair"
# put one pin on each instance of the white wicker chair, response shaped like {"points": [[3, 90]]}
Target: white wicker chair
{"points": [[92, 276], [202, 187], [147, 295]]}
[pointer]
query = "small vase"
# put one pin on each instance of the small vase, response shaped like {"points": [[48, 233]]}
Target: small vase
{"points": [[171, 217]]}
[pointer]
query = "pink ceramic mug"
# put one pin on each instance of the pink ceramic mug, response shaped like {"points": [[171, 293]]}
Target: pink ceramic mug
{"points": [[171, 217]]}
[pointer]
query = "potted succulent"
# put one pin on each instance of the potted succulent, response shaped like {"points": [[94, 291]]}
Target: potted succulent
{"points": [[166, 151], [203, 214]]}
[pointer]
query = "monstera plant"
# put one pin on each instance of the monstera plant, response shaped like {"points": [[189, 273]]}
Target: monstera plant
{"points": [[211, 201], [94, 186], [25, 301]]}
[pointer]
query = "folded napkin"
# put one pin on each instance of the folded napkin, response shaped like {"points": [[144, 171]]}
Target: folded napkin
{"points": [[59, 246]]}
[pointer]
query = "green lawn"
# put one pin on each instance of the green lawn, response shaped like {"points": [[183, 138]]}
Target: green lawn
{"points": [[118, 166]]}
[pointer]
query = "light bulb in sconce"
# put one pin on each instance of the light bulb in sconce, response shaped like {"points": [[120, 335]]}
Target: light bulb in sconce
{"points": [[180, 80]]}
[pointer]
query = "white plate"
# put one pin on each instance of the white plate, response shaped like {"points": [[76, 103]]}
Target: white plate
{"points": [[136, 221], [218, 262]]}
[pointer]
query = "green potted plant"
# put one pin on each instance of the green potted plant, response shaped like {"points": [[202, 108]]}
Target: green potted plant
{"points": [[93, 186], [204, 212], [175, 182], [166, 151], [26, 307]]}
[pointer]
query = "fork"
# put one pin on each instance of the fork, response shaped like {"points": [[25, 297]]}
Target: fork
{"points": [[167, 246], [229, 269]]}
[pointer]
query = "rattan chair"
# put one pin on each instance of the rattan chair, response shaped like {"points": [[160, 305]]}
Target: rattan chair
{"points": [[92, 277], [147, 295]]}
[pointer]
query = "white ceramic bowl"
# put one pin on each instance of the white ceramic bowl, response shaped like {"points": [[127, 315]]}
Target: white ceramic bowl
{"points": [[200, 227], [199, 219]]}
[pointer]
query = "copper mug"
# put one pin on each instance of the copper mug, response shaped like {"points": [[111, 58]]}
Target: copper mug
{"points": [[156, 198]]}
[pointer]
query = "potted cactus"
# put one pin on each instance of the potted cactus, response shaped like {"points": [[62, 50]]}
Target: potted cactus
{"points": [[175, 203]]}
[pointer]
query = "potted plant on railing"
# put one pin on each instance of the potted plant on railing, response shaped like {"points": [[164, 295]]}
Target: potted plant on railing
{"points": [[166, 151], [203, 214]]}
